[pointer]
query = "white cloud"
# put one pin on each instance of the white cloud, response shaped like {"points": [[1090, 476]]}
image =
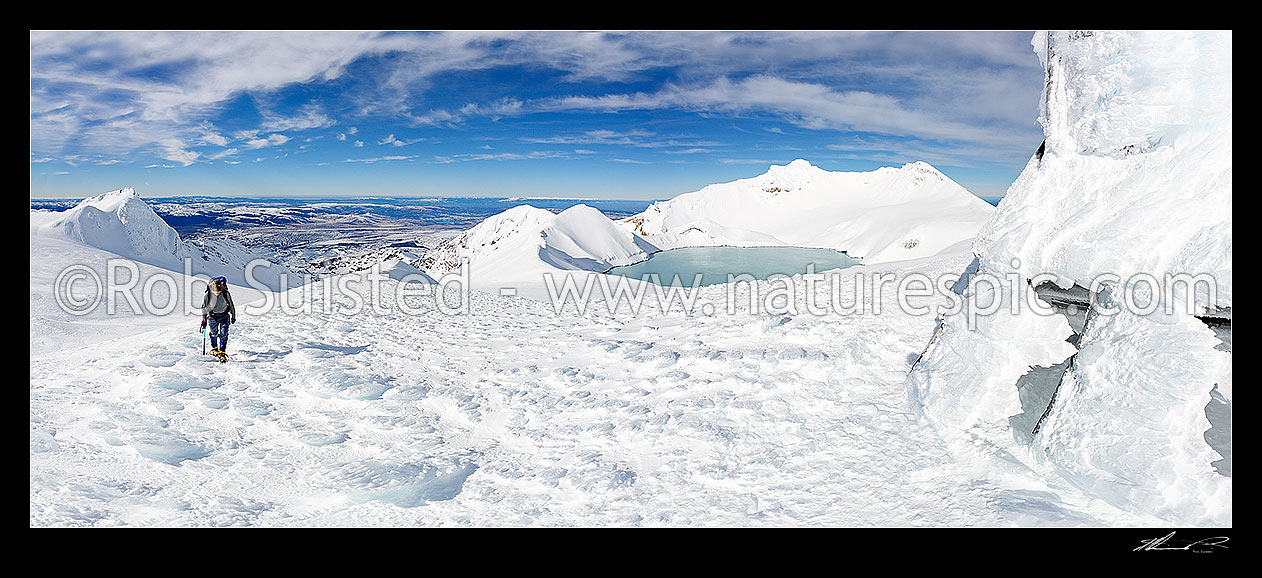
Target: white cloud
{"points": [[124, 91], [202, 68], [308, 117], [809, 105], [447, 159], [759, 162], [165, 84], [504, 107], [892, 150], [391, 140], [432, 118], [269, 140], [634, 138], [174, 150], [382, 159], [214, 139], [602, 137], [222, 154]]}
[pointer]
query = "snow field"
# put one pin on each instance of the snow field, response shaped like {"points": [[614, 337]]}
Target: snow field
{"points": [[513, 415]]}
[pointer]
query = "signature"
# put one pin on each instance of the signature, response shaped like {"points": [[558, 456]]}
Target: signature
{"points": [[1165, 543]]}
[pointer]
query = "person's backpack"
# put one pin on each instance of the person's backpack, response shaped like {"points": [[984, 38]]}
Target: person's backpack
{"points": [[222, 282]]}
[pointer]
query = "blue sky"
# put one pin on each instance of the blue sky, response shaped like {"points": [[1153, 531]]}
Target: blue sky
{"points": [[630, 115]]}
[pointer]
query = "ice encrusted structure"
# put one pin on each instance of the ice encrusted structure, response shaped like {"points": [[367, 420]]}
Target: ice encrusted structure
{"points": [[1132, 185]]}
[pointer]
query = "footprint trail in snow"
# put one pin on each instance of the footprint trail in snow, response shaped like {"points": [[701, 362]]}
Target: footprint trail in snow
{"points": [[513, 415]]}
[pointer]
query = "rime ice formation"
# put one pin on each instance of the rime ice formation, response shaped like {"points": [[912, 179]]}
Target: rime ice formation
{"points": [[1133, 184]]}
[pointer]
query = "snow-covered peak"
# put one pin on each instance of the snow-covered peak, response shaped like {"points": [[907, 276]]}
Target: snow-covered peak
{"points": [[797, 174], [112, 200], [801, 174], [583, 238], [509, 222], [523, 242], [485, 240], [887, 214], [122, 223], [925, 170]]}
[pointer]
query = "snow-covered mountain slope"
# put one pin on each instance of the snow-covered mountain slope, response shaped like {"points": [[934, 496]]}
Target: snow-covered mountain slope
{"points": [[1132, 184], [121, 223], [399, 268], [515, 248], [398, 260], [884, 215], [88, 312], [878, 216], [515, 415]]}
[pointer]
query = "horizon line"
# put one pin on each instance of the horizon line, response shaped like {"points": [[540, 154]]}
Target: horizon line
{"points": [[303, 197]]}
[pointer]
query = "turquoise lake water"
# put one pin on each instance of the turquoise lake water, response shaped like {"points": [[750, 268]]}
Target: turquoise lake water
{"points": [[716, 263]]}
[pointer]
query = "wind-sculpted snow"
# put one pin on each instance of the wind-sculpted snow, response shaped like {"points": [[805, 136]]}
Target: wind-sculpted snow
{"points": [[878, 216], [583, 238], [514, 415], [121, 223], [521, 244], [1130, 199]]}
